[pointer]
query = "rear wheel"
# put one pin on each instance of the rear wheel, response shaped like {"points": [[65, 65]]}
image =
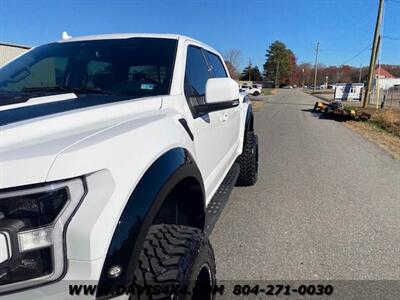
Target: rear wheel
{"points": [[177, 259], [256, 93], [248, 161]]}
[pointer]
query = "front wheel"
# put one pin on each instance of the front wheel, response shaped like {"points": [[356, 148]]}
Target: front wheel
{"points": [[256, 93], [248, 161], [175, 260]]}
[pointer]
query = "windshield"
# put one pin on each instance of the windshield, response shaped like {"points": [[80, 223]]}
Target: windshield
{"points": [[137, 67]]}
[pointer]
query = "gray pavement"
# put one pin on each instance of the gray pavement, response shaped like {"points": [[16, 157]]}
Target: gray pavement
{"points": [[326, 206]]}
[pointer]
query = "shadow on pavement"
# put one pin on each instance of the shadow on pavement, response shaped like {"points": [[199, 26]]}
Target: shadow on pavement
{"points": [[324, 116], [290, 103]]}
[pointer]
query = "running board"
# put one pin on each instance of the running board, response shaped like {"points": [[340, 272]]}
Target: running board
{"points": [[217, 203]]}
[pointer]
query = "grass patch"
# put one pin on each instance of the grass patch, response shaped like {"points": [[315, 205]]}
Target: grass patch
{"points": [[382, 120], [268, 92], [375, 126], [383, 129], [388, 120]]}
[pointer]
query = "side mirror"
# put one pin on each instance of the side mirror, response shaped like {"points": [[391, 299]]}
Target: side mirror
{"points": [[221, 93]]}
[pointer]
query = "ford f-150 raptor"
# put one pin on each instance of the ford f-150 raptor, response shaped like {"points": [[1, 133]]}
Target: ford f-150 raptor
{"points": [[117, 155]]}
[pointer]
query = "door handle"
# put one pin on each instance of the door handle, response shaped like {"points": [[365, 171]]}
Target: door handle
{"points": [[224, 117]]}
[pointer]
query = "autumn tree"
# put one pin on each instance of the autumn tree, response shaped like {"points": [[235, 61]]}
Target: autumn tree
{"points": [[335, 74], [233, 59], [280, 63]]}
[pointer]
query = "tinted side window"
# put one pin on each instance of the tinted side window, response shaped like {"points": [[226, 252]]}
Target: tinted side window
{"points": [[196, 76], [217, 66]]}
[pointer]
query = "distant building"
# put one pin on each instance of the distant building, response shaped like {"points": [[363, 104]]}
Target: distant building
{"points": [[10, 51], [348, 91], [384, 79]]}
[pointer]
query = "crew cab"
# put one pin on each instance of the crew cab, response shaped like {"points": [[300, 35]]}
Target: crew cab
{"points": [[117, 155]]}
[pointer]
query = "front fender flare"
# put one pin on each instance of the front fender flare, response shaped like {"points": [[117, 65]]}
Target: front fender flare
{"points": [[249, 125], [140, 210]]}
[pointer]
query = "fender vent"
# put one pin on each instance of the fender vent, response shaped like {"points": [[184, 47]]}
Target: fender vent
{"points": [[186, 126]]}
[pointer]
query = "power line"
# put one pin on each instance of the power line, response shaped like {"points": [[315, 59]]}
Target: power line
{"points": [[391, 38], [358, 54]]}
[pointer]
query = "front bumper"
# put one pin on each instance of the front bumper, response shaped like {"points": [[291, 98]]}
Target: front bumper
{"points": [[79, 273]]}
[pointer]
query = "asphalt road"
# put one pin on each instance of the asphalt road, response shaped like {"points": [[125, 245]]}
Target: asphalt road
{"points": [[326, 206]]}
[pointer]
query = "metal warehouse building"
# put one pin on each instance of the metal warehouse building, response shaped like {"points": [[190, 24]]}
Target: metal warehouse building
{"points": [[9, 51]]}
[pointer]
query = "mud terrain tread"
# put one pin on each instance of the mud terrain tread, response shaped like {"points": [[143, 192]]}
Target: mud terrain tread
{"points": [[248, 161], [165, 256]]}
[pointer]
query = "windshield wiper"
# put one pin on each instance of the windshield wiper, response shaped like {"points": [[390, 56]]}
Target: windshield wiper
{"points": [[66, 89]]}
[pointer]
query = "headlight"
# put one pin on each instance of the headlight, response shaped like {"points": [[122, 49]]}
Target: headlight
{"points": [[32, 225]]}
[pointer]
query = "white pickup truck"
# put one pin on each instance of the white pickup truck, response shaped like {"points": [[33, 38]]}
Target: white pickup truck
{"points": [[117, 155]]}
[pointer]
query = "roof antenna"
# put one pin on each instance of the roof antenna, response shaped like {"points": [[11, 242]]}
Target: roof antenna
{"points": [[66, 36]]}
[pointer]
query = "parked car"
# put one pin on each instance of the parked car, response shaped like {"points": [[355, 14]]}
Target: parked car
{"points": [[118, 153], [254, 89]]}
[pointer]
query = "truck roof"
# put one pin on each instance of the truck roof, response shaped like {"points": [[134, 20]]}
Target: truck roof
{"points": [[112, 36]]}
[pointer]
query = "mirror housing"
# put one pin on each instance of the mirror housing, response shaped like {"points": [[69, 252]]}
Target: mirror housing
{"points": [[221, 90], [221, 93]]}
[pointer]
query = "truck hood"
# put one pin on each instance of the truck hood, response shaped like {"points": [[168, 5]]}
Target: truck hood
{"points": [[34, 132]]}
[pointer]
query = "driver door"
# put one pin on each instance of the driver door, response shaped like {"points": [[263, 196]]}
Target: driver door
{"points": [[216, 135]]}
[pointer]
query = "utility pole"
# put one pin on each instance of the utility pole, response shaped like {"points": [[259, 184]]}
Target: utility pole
{"points": [[316, 67], [360, 75], [249, 69], [377, 85], [377, 49], [277, 75], [374, 54]]}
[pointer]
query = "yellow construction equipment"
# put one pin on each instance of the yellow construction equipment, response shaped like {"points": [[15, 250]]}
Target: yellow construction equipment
{"points": [[336, 108]]}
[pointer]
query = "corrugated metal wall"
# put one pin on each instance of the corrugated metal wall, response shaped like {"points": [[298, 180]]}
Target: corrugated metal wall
{"points": [[9, 52]]}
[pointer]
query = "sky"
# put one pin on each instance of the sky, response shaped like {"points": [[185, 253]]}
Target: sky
{"points": [[343, 27]]}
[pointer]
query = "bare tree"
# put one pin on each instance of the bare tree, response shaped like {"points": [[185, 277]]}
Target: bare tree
{"points": [[233, 59]]}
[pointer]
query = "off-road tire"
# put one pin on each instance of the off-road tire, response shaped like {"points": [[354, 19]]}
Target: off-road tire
{"points": [[256, 93], [175, 256], [248, 161]]}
